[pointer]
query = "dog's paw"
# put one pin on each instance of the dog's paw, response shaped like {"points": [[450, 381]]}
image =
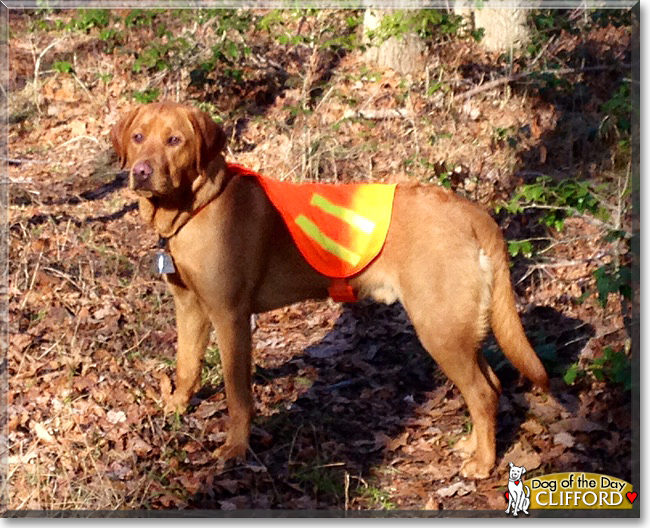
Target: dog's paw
{"points": [[466, 445], [231, 452], [472, 469], [176, 403]]}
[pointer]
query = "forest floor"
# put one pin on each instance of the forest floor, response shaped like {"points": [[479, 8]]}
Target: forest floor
{"points": [[351, 412]]}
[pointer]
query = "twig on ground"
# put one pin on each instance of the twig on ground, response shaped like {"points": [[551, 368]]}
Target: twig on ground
{"points": [[516, 77], [77, 138], [83, 87], [381, 113], [20, 161], [37, 67]]}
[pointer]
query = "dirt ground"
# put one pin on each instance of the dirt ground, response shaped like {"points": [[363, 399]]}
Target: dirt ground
{"points": [[351, 413]]}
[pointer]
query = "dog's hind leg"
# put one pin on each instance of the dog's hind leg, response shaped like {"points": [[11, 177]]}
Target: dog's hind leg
{"points": [[467, 445], [481, 396], [453, 342]]}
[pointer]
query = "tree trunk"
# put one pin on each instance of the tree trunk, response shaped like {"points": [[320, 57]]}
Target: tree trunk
{"points": [[406, 54], [505, 27]]}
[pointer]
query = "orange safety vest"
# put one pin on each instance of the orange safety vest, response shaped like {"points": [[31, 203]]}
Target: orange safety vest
{"points": [[339, 229]]}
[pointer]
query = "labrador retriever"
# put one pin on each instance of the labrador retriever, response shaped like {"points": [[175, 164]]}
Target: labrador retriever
{"points": [[444, 259]]}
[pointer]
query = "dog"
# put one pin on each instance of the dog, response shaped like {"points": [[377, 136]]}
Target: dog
{"points": [[444, 258], [518, 494]]}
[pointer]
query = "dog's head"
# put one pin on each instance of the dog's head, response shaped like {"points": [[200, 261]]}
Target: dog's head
{"points": [[516, 471], [167, 146]]}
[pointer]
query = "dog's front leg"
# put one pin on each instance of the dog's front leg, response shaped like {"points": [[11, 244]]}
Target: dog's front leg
{"points": [[517, 507], [234, 337], [193, 326]]}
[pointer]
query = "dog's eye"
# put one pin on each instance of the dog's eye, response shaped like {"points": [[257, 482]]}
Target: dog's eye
{"points": [[138, 138], [173, 141]]}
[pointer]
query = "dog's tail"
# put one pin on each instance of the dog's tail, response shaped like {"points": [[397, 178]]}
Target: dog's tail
{"points": [[504, 319]]}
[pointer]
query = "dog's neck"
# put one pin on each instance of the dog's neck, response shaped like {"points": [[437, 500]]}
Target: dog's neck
{"points": [[168, 216]]}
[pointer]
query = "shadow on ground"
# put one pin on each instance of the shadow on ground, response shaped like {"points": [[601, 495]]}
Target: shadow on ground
{"points": [[375, 383]]}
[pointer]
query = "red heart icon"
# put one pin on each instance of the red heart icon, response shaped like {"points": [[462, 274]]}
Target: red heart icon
{"points": [[507, 495], [516, 482], [631, 496]]}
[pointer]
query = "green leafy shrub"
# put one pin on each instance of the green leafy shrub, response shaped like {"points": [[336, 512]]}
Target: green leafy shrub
{"points": [[337, 33], [426, 23], [141, 17], [86, 19], [147, 96], [558, 199], [62, 67], [619, 108], [612, 279], [613, 367], [161, 55]]}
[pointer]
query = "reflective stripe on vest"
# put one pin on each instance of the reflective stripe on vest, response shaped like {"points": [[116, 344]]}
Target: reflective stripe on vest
{"points": [[347, 215], [329, 245]]}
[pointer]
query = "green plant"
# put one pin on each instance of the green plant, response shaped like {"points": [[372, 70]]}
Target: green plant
{"points": [[105, 77], [147, 96], [337, 33], [612, 367], [229, 50], [558, 199], [502, 135], [520, 247], [141, 17], [619, 108], [161, 55], [86, 19], [613, 279], [426, 23], [323, 479], [379, 499], [62, 67], [211, 373]]}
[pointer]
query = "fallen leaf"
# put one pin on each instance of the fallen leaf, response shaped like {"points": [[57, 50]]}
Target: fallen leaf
{"points": [[398, 442], [522, 457], [432, 504], [115, 417], [231, 486], [532, 426], [43, 433], [461, 488], [564, 439], [139, 446], [578, 423]]}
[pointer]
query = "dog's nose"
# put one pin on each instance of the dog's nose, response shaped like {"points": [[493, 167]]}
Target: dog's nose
{"points": [[141, 173]]}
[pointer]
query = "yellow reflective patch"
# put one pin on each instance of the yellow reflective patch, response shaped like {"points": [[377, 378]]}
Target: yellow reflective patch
{"points": [[347, 215], [329, 245]]}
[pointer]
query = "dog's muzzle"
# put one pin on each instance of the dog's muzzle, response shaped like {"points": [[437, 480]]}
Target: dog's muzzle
{"points": [[141, 176]]}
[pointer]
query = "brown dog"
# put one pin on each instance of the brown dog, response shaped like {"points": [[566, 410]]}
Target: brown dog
{"points": [[444, 258]]}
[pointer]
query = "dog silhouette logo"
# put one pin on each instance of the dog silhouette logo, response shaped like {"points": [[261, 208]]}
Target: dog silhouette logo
{"points": [[518, 494]]}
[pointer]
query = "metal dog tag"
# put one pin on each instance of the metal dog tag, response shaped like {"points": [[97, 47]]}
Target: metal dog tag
{"points": [[163, 263]]}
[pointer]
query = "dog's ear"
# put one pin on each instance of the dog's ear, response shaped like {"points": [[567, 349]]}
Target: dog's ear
{"points": [[213, 138], [119, 134], [523, 470], [511, 464]]}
